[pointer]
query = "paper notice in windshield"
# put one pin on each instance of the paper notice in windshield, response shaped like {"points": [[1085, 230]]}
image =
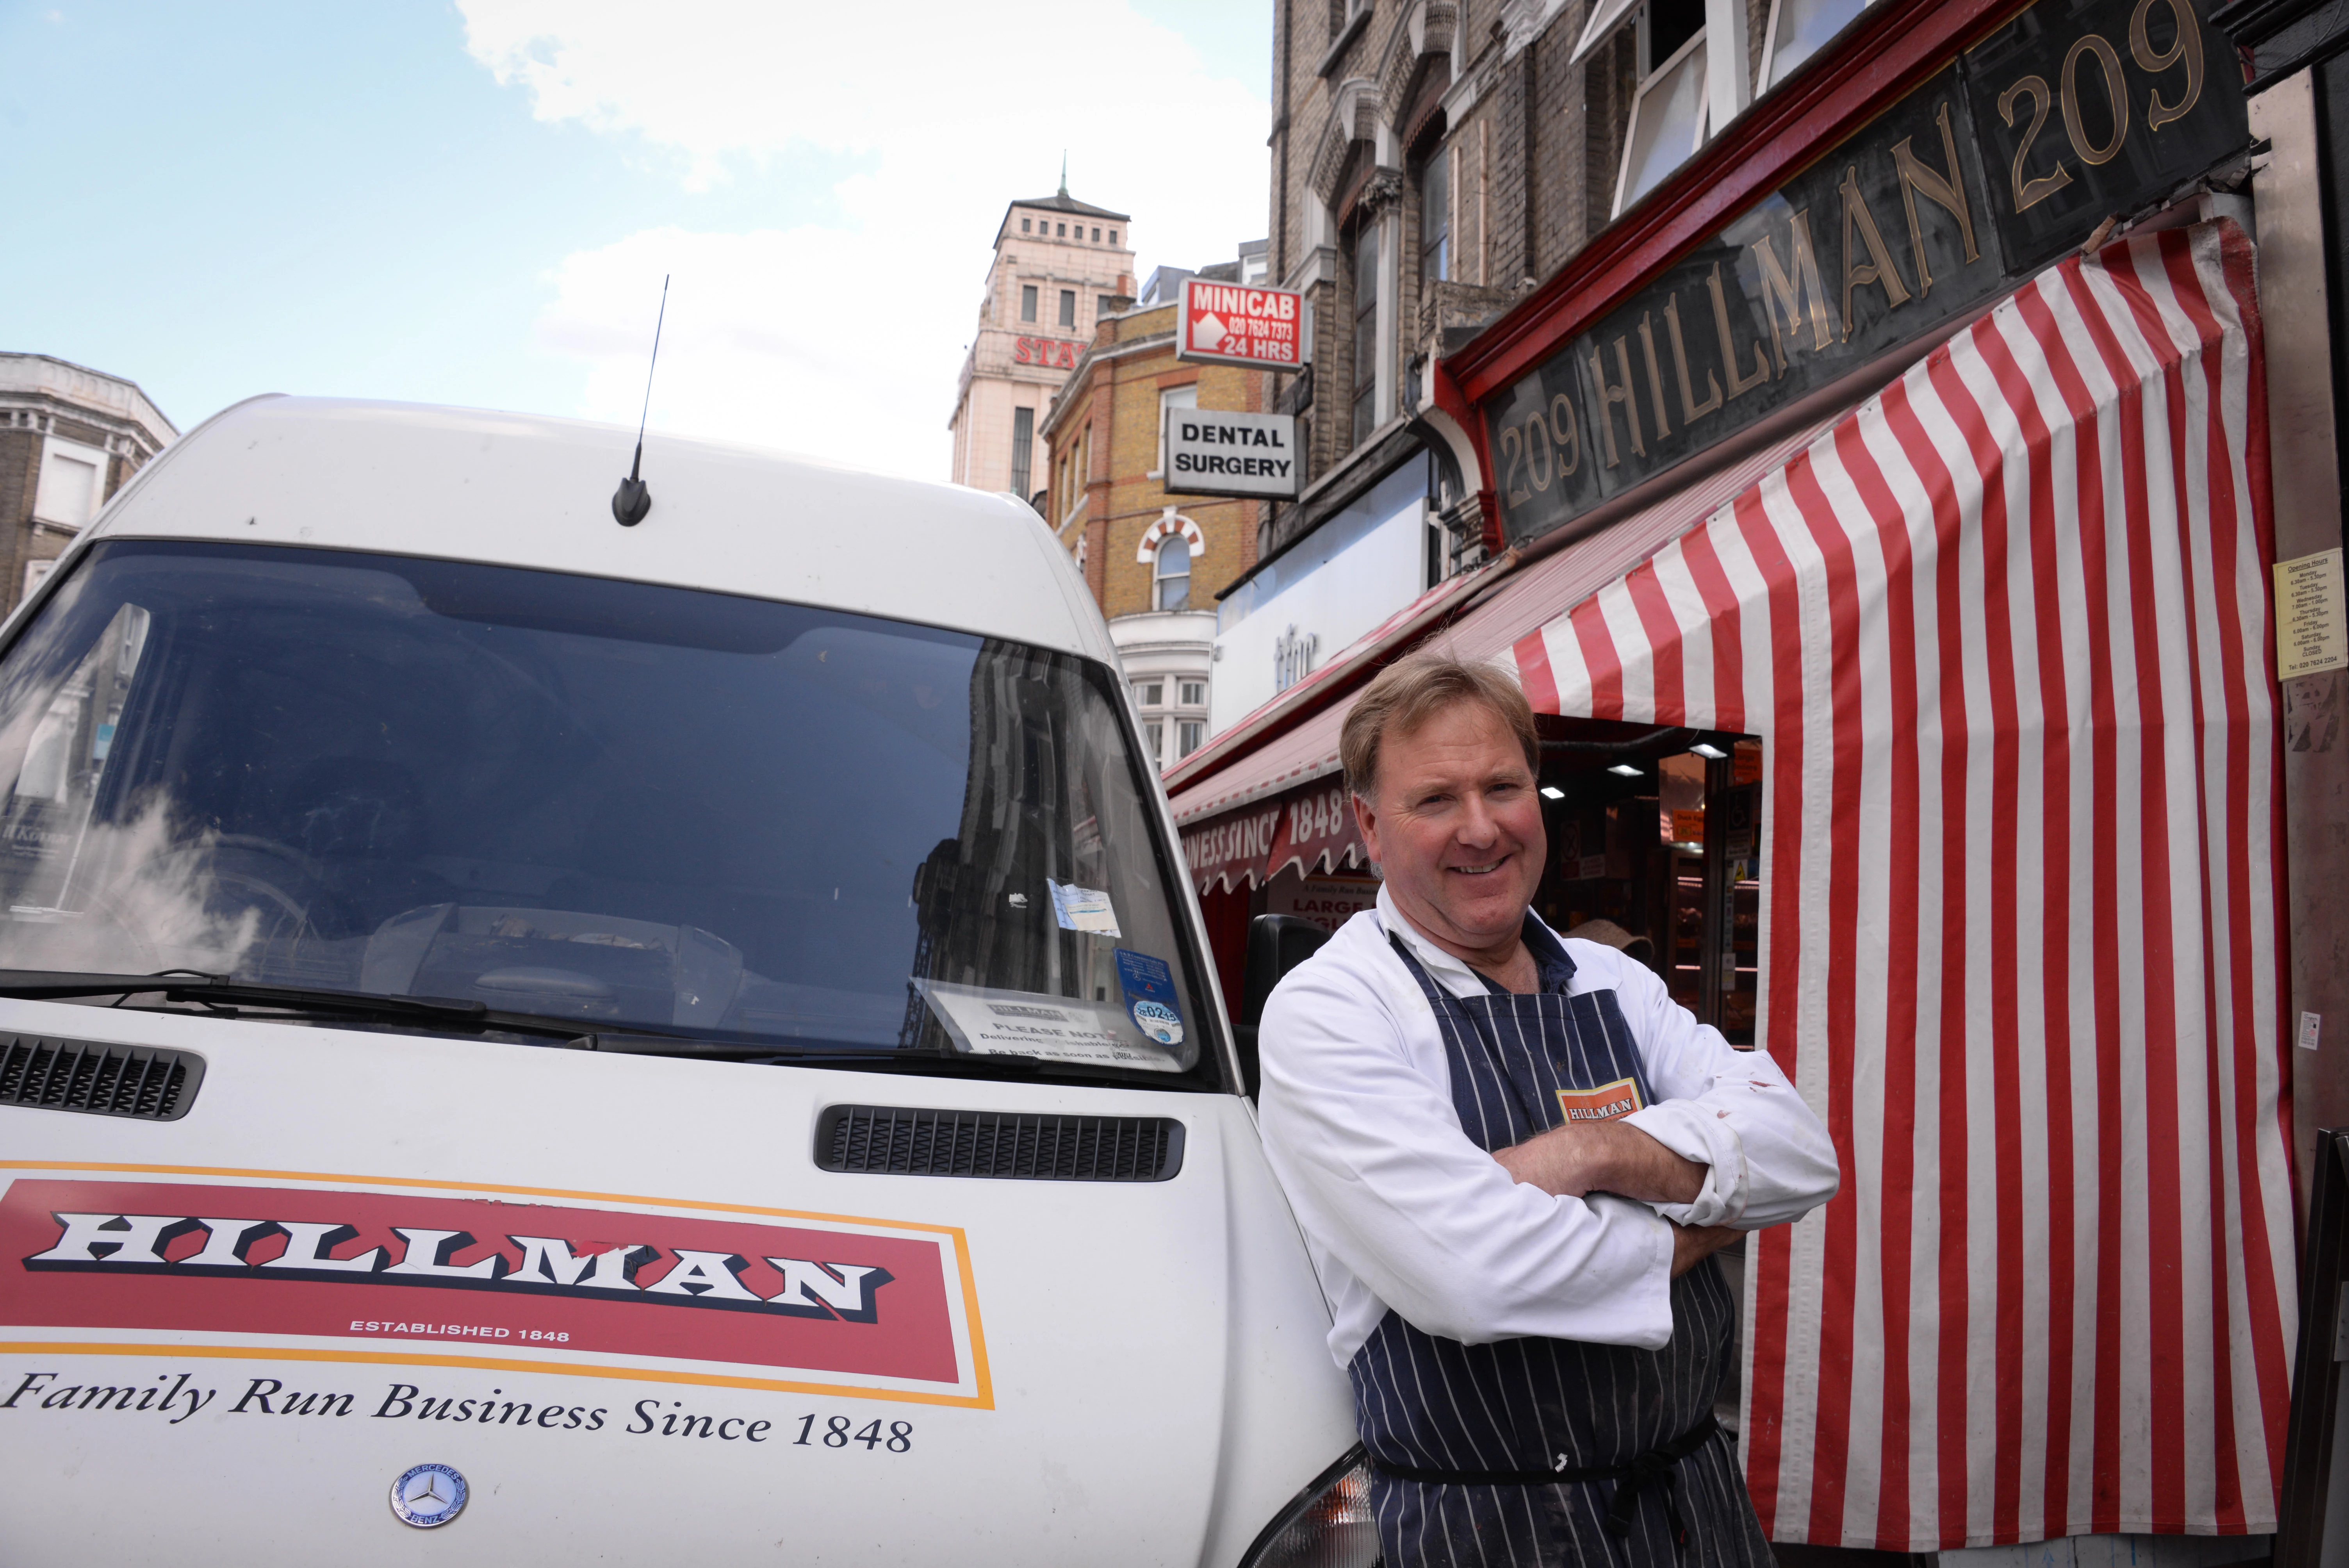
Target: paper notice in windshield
{"points": [[990, 1022], [1083, 909]]}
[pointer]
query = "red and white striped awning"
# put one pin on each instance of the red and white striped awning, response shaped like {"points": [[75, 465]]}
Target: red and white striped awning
{"points": [[2003, 630]]}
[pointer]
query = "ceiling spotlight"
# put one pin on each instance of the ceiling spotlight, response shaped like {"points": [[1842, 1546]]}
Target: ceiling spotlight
{"points": [[1552, 792], [1710, 753], [1625, 770]]}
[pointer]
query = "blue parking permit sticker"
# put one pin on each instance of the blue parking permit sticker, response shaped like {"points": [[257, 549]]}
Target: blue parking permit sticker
{"points": [[1149, 988]]}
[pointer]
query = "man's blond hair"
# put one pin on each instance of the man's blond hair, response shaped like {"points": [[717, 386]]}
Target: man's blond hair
{"points": [[1409, 693]]}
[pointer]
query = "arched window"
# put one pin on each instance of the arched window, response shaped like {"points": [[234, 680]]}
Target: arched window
{"points": [[1173, 572]]}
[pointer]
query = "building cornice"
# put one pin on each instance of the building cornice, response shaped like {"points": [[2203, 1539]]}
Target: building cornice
{"points": [[40, 412]]}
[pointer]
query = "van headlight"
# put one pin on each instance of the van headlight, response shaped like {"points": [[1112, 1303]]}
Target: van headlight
{"points": [[1327, 1525]]}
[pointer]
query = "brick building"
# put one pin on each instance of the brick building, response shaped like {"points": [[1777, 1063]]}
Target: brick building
{"points": [[1061, 266], [1433, 161], [1153, 557], [70, 437]]}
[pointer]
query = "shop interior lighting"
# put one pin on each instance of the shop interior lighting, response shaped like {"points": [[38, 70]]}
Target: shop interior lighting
{"points": [[1710, 753], [1552, 792], [1626, 769]]}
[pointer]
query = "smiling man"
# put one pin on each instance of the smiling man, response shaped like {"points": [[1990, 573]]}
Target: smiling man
{"points": [[1513, 1156]]}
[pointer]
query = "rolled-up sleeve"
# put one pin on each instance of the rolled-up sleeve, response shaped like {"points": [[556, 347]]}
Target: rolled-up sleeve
{"points": [[1768, 1157], [1368, 1147]]}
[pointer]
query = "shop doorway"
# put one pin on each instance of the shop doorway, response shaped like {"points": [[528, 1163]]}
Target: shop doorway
{"points": [[1654, 840]]}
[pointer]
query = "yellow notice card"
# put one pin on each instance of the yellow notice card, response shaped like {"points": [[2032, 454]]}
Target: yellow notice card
{"points": [[2312, 622]]}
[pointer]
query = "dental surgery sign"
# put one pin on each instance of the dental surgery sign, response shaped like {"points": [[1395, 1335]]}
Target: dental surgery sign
{"points": [[1210, 452], [2076, 111], [1237, 324]]}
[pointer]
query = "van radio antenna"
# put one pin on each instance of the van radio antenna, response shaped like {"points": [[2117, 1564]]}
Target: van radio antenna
{"points": [[633, 500]]}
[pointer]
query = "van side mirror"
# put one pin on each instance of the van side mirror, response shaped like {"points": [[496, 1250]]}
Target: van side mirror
{"points": [[1276, 943]]}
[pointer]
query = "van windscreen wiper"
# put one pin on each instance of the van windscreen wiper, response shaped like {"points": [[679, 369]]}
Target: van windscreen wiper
{"points": [[879, 1059], [192, 986]]}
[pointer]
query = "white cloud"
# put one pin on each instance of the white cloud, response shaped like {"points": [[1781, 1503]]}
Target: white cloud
{"points": [[845, 337]]}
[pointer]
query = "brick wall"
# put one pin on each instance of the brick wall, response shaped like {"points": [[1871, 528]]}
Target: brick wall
{"points": [[1115, 433]]}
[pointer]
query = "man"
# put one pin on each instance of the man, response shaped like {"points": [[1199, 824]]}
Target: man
{"points": [[1513, 1157]]}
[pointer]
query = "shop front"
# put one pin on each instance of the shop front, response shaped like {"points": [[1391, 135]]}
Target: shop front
{"points": [[1881, 519]]}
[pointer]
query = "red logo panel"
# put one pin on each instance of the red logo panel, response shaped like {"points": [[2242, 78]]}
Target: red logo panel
{"points": [[190, 1257]]}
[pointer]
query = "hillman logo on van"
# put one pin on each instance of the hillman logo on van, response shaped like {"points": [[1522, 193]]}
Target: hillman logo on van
{"points": [[878, 1306]]}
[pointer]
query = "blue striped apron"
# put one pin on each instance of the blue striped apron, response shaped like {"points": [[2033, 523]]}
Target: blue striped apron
{"points": [[1434, 1413]]}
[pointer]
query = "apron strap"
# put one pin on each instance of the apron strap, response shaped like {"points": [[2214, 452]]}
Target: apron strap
{"points": [[1630, 1479]]}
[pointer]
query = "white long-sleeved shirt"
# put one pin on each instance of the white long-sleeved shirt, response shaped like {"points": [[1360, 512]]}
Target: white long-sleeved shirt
{"points": [[1401, 1209]]}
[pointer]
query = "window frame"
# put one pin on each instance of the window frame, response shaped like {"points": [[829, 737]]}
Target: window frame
{"points": [[1442, 245], [1768, 80], [1702, 130], [44, 499], [1024, 450], [1364, 390], [1169, 398], [1160, 576]]}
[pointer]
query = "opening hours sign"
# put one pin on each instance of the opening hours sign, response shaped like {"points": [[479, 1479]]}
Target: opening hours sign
{"points": [[1237, 324]]}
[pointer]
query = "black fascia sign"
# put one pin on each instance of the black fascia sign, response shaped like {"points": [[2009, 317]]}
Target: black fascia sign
{"points": [[2075, 111]]}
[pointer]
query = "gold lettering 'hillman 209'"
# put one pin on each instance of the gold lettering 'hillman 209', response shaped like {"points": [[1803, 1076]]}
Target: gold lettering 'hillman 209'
{"points": [[2069, 114]]}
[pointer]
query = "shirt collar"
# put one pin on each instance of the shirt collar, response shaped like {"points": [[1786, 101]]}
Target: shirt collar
{"points": [[1454, 975]]}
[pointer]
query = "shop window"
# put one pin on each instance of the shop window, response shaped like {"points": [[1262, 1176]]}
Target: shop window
{"points": [[1172, 572], [1366, 333], [1028, 302], [1150, 694], [1797, 30], [1193, 694], [1435, 218], [1068, 307], [1189, 736]]}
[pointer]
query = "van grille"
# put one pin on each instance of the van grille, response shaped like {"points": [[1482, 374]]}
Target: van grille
{"points": [[880, 1140], [105, 1080]]}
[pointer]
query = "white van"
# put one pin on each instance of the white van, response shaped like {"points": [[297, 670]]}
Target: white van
{"points": [[532, 1040]]}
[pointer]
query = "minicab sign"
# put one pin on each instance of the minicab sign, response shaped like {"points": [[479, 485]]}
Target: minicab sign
{"points": [[1238, 324], [1211, 452]]}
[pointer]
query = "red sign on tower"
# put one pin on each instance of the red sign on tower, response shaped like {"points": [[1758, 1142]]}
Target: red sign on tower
{"points": [[1238, 324]]}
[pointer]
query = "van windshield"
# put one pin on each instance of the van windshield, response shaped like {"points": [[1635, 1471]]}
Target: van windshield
{"points": [[634, 807]]}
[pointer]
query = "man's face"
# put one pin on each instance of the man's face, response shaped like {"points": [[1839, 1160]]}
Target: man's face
{"points": [[1456, 826]]}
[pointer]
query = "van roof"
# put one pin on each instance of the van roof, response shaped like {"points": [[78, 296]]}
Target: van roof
{"points": [[519, 490]]}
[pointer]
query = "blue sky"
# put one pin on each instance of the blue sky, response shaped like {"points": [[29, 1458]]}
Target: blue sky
{"points": [[474, 203]]}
